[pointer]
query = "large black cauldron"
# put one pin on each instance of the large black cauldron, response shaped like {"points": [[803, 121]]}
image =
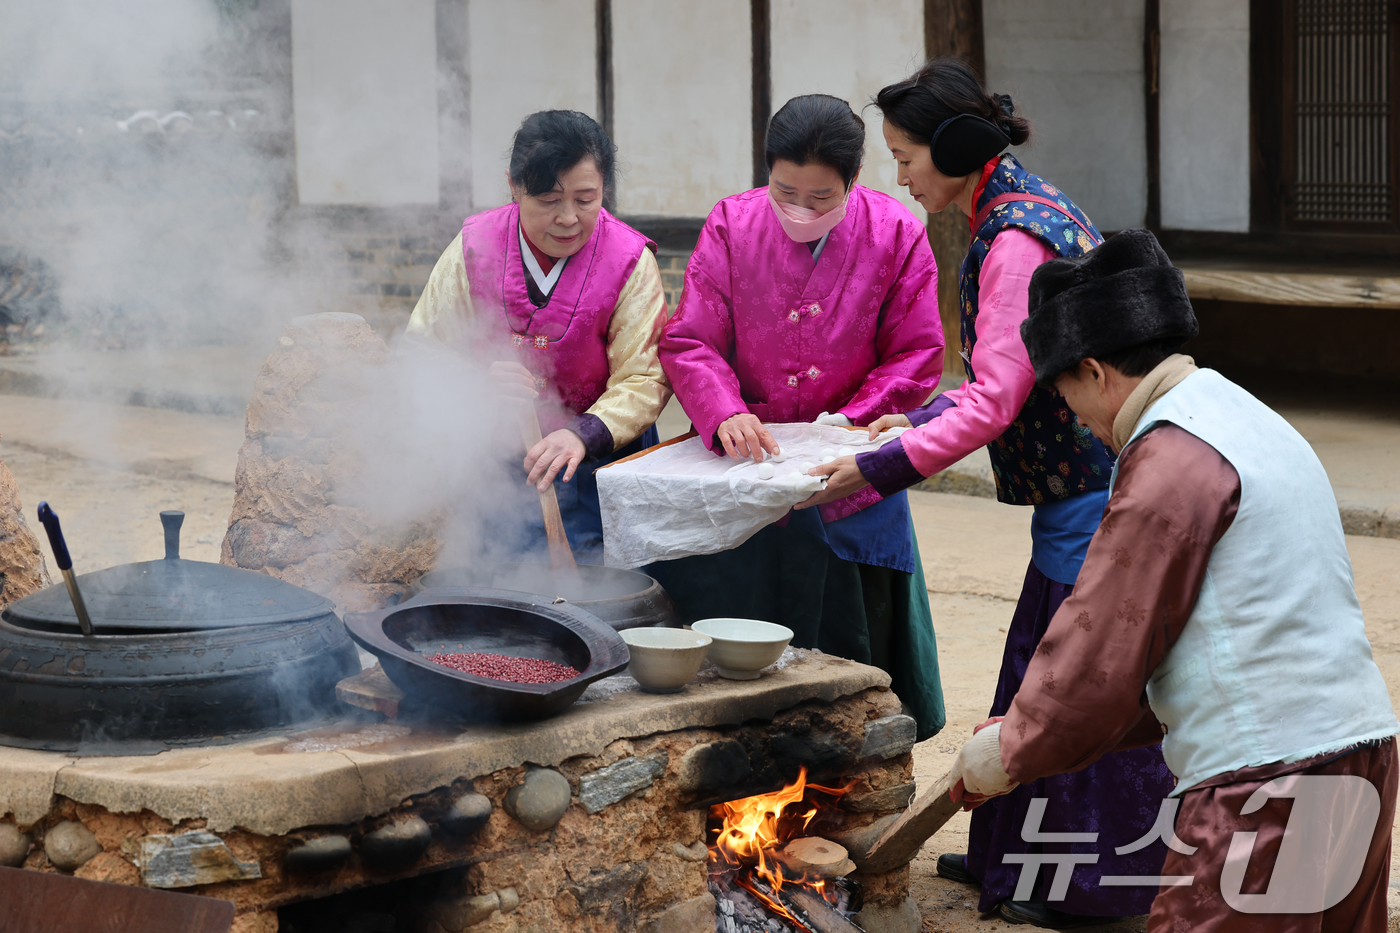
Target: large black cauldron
{"points": [[183, 653]]}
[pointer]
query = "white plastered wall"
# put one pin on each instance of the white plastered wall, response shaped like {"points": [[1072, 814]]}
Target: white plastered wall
{"points": [[849, 50], [682, 92], [525, 55], [1076, 72], [1205, 114], [364, 79]]}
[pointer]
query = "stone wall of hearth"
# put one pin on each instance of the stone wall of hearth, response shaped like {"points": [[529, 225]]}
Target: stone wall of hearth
{"points": [[605, 844]]}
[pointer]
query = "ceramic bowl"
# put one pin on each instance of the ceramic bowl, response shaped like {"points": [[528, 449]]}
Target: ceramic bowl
{"points": [[744, 647], [664, 659]]}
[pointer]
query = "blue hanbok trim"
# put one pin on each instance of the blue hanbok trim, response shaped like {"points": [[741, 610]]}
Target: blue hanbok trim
{"points": [[1060, 533], [881, 535]]}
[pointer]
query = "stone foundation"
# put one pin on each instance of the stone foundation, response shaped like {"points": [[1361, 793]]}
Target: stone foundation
{"points": [[576, 823]]}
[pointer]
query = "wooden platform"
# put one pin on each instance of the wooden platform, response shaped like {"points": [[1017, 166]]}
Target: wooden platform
{"points": [[1279, 283]]}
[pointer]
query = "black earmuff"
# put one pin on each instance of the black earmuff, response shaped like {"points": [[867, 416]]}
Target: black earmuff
{"points": [[962, 145]]}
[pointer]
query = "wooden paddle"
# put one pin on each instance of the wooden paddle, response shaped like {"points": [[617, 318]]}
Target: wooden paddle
{"points": [[903, 838], [561, 556]]}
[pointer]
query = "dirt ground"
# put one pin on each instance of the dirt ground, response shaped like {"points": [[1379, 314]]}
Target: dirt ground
{"points": [[975, 554]]}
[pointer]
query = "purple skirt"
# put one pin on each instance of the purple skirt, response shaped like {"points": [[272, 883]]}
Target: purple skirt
{"points": [[1117, 797]]}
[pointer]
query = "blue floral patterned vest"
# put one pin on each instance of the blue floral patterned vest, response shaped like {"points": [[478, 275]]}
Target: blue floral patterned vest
{"points": [[1045, 455]]}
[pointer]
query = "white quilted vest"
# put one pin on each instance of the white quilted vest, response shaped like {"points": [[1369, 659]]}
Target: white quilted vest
{"points": [[1273, 664]]}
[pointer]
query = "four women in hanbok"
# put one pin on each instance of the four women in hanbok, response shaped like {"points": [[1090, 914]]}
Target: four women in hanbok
{"points": [[947, 134], [565, 300], [813, 299]]}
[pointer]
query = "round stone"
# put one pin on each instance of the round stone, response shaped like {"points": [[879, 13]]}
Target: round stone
{"points": [[320, 854], [467, 816], [69, 845], [540, 800], [14, 845], [397, 845]]}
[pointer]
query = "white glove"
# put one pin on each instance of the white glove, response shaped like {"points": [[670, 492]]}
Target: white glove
{"points": [[838, 419], [978, 767]]}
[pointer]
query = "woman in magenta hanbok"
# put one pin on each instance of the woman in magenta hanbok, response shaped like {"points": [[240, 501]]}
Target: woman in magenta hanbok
{"points": [[813, 299], [565, 303]]}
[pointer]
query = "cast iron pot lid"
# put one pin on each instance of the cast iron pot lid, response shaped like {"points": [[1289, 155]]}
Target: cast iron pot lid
{"points": [[169, 596]]}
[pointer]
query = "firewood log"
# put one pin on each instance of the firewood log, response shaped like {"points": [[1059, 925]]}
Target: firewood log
{"points": [[813, 855], [901, 841]]}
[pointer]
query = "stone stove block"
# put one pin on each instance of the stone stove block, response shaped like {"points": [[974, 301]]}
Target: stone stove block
{"points": [[315, 814]]}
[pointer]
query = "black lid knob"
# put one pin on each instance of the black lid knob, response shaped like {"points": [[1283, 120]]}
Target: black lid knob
{"points": [[172, 521]]}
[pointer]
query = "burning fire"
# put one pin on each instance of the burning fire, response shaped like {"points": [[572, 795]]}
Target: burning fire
{"points": [[753, 828]]}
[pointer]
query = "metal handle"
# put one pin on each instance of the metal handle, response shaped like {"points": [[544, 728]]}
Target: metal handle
{"points": [[49, 519], [172, 521]]}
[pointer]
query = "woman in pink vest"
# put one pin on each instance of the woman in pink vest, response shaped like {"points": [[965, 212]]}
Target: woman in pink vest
{"points": [[813, 299], [567, 301]]}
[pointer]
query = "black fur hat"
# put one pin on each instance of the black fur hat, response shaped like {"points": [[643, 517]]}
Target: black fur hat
{"points": [[1121, 294]]}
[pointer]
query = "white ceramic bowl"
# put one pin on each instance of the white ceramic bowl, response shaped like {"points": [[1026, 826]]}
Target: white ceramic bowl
{"points": [[664, 659], [743, 647]]}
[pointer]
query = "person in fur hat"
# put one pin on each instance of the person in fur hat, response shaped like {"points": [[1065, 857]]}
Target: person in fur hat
{"points": [[1215, 612]]}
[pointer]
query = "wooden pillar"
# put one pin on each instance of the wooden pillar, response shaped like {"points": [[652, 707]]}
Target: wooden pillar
{"points": [[952, 27], [602, 18], [1151, 72], [760, 19]]}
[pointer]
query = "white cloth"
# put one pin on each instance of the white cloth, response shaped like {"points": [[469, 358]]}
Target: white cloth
{"points": [[679, 500], [1273, 663], [838, 419], [979, 764]]}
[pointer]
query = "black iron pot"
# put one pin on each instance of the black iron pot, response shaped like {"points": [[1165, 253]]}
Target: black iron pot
{"points": [[183, 653], [448, 620], [621, 598]]}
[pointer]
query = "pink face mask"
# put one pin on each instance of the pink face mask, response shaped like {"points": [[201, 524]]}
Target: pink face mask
{"points": [[803, 224]]}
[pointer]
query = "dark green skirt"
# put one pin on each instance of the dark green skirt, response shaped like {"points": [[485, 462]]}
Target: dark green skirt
{"points": [[869, 614]]}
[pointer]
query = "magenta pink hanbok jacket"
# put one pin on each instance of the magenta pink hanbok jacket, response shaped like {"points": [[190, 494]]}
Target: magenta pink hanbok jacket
{"points": [[761, 328]]}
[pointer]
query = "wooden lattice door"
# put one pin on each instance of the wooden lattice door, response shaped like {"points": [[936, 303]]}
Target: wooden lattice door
{"points": [[1331, 77]]}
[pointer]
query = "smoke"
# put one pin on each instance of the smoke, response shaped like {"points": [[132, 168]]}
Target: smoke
{"points": [[145, 164], [147, 169], [438, 439]]}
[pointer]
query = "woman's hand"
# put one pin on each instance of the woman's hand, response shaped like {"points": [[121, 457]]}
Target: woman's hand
{"points": [[884, 422], [513, 380], [559, 450], [743, 435], [843, 479]]}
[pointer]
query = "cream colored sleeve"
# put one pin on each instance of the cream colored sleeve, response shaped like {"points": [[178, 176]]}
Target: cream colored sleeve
{"points": [[637, 387], [444, 311]]}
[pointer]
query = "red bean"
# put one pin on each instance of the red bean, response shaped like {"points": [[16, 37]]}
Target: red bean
{"points": [[504, 667]]}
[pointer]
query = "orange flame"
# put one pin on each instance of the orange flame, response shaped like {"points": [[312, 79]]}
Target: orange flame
{"points": [[750, 827]]}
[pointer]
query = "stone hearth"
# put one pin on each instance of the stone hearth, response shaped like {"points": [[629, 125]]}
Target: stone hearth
{"points": [[593, 820]]}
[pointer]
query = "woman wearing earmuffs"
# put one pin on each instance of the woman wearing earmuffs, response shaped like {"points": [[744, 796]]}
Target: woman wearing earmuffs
{"points": [[947, 134], [813, 298]]}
